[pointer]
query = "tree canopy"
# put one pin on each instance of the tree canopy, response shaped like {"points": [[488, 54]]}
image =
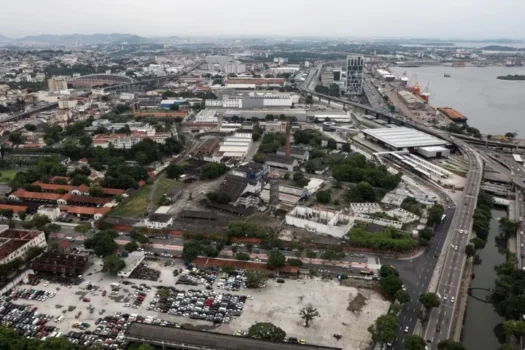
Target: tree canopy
{"points": [[266, 331], [429, 300], [113, 264], [276, 260], [415, 342]]}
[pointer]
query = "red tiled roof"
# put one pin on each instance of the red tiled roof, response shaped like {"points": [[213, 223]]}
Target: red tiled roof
{"points": [[237, 264], [112, 191], [53, 187], [65, 244], [14, 208], [54, 178], [15, 239], [87, 210], [83, 188], [33, 145], [21, 193], [142, 183], [87, 200]]}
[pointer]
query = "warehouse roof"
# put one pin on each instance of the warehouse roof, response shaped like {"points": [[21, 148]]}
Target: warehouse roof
{"points": [[404, 137]]}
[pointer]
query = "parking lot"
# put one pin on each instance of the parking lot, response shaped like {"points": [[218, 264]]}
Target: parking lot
{"points": [[280, 304], [103, 306]]}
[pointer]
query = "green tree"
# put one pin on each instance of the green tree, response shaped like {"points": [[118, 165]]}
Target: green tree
{"points": [[415, 342], [470, 250], [242, 256], [16, 138], [83, 228], [362, 192], [33, 252], [39, 221], [276, 260], [402, 296], [210, 171], [131, 246], [435, 213], [310, 254], [259, 158], [85, 141], [174, 171], [266, 331], [164, 293], [388, 270], [390, 285], [256, 135], [255, 278], [384, 329], [295, 262], [309, 100], [450, 345], [511, 135], [191, 251], [308, 314], [514, 328], [323, 197], [102, 243], [429, 301], [51, 228], [310, 167], [96, 191], [113, 264]]}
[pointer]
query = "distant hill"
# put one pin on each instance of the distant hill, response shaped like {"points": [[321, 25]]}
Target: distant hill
{"points": [[84, 39], [4, 39]]}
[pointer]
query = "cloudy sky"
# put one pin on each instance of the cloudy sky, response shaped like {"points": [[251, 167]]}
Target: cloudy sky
{"points": [[341, 18]]}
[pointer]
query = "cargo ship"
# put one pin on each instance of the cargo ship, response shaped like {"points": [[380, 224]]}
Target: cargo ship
{"points": [[452, 114]]}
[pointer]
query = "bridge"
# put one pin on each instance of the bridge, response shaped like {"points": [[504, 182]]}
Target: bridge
{"points": [[26, 114], [487, 298], [91, 80]]}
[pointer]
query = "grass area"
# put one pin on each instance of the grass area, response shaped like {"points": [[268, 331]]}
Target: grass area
{"points": [[136, 206], [164, 186], [8, 174]]}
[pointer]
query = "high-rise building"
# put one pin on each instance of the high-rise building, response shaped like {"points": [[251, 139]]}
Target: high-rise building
{"points": [[57, 84], [354, 76]]}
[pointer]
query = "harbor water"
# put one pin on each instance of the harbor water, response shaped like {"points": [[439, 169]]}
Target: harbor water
{"points": [[493, 106], [481, 319]]}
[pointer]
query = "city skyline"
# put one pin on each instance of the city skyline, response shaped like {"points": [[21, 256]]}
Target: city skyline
{"points": [[332, 18]]}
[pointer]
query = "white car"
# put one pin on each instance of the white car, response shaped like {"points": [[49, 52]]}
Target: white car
{"points": [[406, 329], [445, 297], [452, 299]]}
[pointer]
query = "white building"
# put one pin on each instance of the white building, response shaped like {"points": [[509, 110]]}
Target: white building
{"points": [[354, 77], [233, 68], [207, 116], [236, 146], [158, 221], [133, 260], [57, 84], [65, 104], [321, 221], [14, 243]]}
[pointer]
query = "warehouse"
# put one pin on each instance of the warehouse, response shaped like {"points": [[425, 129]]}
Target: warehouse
{"points": [[236, 146], [261, 114], [402, 138]]}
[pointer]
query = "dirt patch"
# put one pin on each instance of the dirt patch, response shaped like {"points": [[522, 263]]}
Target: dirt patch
{"points": [[357, 304]]}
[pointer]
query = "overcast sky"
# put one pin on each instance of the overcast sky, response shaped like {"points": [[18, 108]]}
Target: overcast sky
{"points": [[342, 18]]}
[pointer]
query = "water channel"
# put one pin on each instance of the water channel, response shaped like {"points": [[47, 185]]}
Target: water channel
{"points": [[481, 319]]}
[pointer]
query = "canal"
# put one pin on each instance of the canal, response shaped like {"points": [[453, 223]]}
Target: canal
{"points": [[481, 319]]}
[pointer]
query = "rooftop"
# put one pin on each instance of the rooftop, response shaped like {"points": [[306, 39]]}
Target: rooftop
{"points": [[404, 137], [160, 217], [13, 239], [21, 193], [275, 158]]}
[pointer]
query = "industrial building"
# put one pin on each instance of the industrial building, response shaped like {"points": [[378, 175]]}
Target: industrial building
{"points": [[338, 117], [14, 243], [261, 114], [255, 100], [60, 264], [207, 116], [354, 76], [410, 100], [236, 146], [320, 220], [385, 75], [327, 76], [402, 138]]}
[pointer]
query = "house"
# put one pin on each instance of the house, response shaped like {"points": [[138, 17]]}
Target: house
{"points": [[251, 171], [71, 199], [301, 154], [88, 212], [21, 194], [51, 211], [52, 188], [281, 162], [16, 209], [81, 190], [158, 221]]}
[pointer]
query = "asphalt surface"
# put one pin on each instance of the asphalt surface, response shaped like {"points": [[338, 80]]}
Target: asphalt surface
{"points": [[441, 319], [416, 275]]}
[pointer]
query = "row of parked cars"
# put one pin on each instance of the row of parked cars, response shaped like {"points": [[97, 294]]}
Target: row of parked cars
{"points": [[26, 320], [200, 304], [31, 294]]}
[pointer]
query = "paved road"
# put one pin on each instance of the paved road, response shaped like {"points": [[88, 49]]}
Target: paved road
{"points": [[416, 275], [441, 319]]}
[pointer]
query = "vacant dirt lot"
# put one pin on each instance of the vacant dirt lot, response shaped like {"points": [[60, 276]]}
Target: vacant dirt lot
{"points": [[280, 304]]}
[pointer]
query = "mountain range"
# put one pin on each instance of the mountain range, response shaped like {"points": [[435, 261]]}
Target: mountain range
{"points": [[89, 39]]}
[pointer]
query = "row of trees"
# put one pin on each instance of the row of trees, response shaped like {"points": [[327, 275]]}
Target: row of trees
{"points": [[355, 168], [388, 239]]}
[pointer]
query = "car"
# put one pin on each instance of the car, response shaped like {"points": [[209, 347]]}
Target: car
{"points": [[403, 287], [452, 299], [86, 300], [406, 329], [445, 297]]}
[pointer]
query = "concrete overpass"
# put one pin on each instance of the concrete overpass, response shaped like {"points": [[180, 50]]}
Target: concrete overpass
{"points": [[144, 85], [26, 114]]}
